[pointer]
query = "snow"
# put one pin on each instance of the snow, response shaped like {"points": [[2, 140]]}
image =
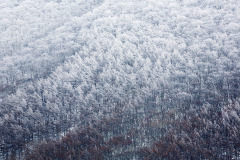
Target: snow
{"points": [[82, 60]]}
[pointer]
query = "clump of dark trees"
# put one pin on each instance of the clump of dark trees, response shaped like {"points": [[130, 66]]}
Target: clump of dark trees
{"points": [[89, 142], [205, 132]]}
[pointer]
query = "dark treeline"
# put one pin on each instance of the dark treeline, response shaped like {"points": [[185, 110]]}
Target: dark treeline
{"points": [[202, 133]]}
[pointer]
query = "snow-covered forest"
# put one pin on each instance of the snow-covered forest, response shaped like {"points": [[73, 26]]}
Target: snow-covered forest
{"points": [[119, 79]]}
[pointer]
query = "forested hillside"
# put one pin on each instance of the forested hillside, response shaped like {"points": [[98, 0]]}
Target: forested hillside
{"points": [[129, 79]]}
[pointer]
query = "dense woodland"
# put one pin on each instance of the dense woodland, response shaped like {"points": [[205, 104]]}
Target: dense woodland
{"points": [[111, 79]]}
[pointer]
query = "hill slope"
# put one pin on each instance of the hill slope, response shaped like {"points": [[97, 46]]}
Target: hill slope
{"points": [[67, 62]]}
